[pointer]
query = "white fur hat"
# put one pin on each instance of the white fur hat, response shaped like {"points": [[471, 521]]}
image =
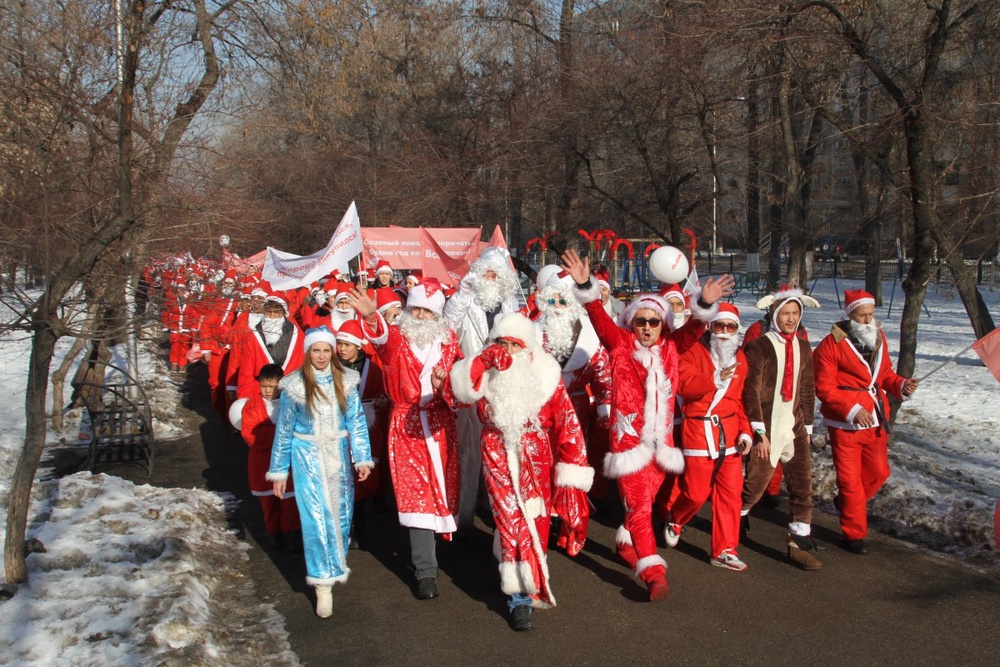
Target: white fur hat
{"points": [[428, 294], [653, 302], [515, 326], [321, 334]]}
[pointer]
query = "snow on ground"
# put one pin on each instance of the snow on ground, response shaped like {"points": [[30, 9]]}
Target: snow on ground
{"points": [[133, 574], [130, 574]]}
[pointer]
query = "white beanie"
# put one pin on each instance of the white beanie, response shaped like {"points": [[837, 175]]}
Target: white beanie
{"points": [[429, 295]]}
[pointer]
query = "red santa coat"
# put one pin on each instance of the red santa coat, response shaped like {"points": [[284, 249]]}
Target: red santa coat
{"points": [[846, 383], [254, 356], [423, 441], [257, 428], [702, 398], [372, 388], [519, 451], [587, 373]]}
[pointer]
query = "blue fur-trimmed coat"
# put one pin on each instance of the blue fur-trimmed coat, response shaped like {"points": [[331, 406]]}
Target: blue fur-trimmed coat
{"points": [[322, 450]]}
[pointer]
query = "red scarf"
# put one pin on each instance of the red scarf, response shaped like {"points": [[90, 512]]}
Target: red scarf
{"points": [[788, 378]]}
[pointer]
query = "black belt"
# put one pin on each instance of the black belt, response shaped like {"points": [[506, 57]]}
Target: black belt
{"points": [[716, 421]]}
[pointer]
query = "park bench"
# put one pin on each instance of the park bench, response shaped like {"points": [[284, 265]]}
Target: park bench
{"points": [[120, 417]]}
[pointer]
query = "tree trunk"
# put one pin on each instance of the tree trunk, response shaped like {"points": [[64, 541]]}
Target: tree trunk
{"points": [[43, 344], [965, 283], [59, 381]]}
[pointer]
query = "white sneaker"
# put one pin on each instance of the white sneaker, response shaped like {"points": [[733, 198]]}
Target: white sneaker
{"points": [[672, 534], [324, 601], [729, 560]]}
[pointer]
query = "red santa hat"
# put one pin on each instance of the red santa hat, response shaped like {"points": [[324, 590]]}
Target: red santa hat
{"points": [[603, 278], [350, 332], [516, 328], [727, 311], [230, 276], [383, 267], [856, 297], [675, 291], [321, 334], [654, 302], [429, 295], [281, 301], [386, 298], [259, 292], [343, 291]]}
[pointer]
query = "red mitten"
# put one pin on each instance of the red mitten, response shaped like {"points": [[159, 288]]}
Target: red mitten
{"points": [[573, 508], [495, 356]]}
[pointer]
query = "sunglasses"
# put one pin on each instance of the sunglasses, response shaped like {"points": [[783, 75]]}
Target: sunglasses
{"points": [[561, 302], [730, 327], [642, 321]]}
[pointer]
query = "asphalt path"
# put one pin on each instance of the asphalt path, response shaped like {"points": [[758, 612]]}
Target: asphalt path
{"points": [[898, 605]]}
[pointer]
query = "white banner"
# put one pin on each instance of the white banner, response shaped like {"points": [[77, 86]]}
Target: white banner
{"points": [[287, 271]]}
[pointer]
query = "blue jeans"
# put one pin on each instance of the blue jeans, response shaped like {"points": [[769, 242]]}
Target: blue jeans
{"points": [[518, 600]]}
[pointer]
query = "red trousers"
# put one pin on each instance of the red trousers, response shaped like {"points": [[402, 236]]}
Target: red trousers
{"points": [[774, 488], [180, 343], [637, 492], [862, 462], [696, 487], [280, 515], [217, 383]]}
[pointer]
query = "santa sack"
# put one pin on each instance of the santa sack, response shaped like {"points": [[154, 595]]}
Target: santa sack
{"points": [[194, 354]]}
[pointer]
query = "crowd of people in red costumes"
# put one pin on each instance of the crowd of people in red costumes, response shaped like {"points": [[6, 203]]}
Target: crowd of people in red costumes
{"points": [[477, 397]]}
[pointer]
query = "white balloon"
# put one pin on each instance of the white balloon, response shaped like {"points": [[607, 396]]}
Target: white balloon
{"points": [[669, 264], [236, 412], [224, 240]]}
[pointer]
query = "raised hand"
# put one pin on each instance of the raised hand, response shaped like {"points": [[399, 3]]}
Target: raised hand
{"points": [[577, 268], [713, 289], [363, 303]]}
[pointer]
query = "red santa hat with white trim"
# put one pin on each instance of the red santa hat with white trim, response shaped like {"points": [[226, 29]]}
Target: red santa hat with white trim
{"points": [[383, 267], [675, 291], [386, 298], [654, 302], [727, 311], [273, 297], [517, 328], [856, 297], [428, 295], [603, 278], [350, 332]]}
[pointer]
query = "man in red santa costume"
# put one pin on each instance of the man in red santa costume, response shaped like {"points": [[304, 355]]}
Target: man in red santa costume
{"points": [[389, 304], [644, 365], [274, 339], [417, 355], [779, 398], [487, 290], [182, 319], [854, 378], [715, 435], [530, 430], [216, 332], [568, 335]]}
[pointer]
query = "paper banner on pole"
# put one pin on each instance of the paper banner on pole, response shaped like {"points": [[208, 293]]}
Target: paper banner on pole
{"points": [[436, 263], [401, 246], [988, 349], [232, 261], [287, 271]]}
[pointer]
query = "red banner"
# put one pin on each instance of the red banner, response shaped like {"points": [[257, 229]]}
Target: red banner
{"points": [[231, 261], [988, 349], [401, 247], [437, 263]]}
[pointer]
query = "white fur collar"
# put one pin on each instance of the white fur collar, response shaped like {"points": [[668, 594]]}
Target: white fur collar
{"points": [[294, 386]]}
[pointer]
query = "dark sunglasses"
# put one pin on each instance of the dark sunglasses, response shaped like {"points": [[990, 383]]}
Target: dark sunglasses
{"points": [[561, 302], [642, 321], [730, 327]]}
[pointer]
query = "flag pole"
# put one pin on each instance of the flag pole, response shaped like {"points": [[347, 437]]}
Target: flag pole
{"points": [[948, 361]]}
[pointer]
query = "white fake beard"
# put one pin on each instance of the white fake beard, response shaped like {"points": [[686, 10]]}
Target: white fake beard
{"points": [[676, 320], [271, 328], [421, 332], [723, 348], [561, 332], [491, 293], [511, 407], [866, 333], [227, 290]]}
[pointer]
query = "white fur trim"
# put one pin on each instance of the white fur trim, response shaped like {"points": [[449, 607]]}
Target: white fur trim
{"points": [[516, 578], [670, 459], [758, 426], [623, 536], [534, 508], [514, 325], [461, 382], [439, 524], [574, 476], [380, 325], [703, 314], [329, 581], [586, 295], [276, 476], [364, 464], [320, 335], [648, 562], [620, 464]]}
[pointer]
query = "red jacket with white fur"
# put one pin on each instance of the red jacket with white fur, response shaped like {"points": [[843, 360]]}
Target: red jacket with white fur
{"points": [[642, 393]]}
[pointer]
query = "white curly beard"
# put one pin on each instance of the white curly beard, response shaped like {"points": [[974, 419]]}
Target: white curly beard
{"points": [[490, 293], [271, 328], [421, 332], [512, 408], [560, 323], [723, 348]]}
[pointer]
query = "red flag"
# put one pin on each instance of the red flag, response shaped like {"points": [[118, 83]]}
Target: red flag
{"points": [[988, 349], [498, 241], [436, 263]]}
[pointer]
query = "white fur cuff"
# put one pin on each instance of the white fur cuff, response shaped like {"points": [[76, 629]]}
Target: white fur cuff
{"points": [[380, 325], [648, 562], [276, 476], [670, 459], [461, 382], [517, 578], [623, 536], [574, 476], [703, 314], [592, 293], [619, 464]]}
